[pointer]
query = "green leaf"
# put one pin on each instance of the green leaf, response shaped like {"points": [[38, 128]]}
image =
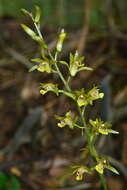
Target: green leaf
{"points": [[28, 30], [3, 180], [58, 117], [14, 184], [39, 40], [9, 182], [64, 63], [37, 14], [112, 169], [33, 68], [85, 68], [32, 34]]}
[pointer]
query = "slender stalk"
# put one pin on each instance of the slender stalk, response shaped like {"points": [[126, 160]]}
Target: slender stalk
{"points": [[60, 74], [56, 66], [62, 78], [88, 137], [91, 147], [81, 112], [102, 181], [38, 30]]}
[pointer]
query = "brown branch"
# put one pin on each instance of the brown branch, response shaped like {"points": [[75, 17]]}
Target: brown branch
{"points": [[79, 187], [28, 160]]}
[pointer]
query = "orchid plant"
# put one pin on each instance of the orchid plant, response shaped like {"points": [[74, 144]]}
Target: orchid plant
{"points": [[49, 62]]}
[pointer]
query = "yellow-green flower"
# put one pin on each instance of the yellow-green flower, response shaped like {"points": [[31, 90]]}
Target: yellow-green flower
{"points": [[102, 127], [76, 64], [67, 120], [104, 163], [46, 87]]}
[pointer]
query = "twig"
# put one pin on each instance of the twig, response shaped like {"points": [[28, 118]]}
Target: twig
{"points": [[22, 59], [23, 130], [78, 187], [6, 165]]}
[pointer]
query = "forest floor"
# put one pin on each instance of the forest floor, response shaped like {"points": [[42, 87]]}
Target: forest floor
{"points": [[31, 146]]}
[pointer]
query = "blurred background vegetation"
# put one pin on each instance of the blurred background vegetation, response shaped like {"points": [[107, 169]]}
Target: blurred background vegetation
{"points": [[64, 12]]}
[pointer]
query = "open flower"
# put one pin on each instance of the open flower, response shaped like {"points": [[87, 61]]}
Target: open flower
{"points": [[80, 171], [94, 94], [67, 120], [76, 64], [102, 127], [81, 97], [85, 98], [45, 65], [46, 87], [104, 163]]}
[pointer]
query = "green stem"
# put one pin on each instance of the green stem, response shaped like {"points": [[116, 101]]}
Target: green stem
{"points": [[88, 137], [103, 183], [38, 30], [62, 78], [91, 147], [60, 74], [56, 66]]}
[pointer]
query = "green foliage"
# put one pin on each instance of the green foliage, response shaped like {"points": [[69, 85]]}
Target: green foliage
{"points": [[8, 182], [49, 62], [69, 12]]}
